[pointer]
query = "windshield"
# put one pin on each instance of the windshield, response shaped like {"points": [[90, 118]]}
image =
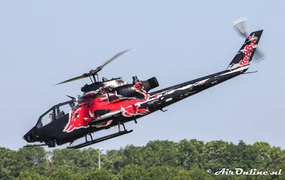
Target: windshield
{"points": [[55, 113]]}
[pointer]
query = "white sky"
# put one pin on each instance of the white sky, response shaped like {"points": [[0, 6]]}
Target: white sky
{"points": [[45, 42]]}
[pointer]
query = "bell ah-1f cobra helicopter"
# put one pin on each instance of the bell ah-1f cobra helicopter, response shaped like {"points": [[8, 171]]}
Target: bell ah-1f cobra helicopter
{"points": [[114, 102]]}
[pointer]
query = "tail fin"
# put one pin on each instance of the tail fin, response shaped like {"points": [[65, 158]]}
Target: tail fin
{"points": [[246, 52]]}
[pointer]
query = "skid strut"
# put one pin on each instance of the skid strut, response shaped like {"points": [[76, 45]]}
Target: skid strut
{"points": [[104, 138]]}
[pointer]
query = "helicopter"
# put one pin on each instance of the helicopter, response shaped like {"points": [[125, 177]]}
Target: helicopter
{"points": [[108, 103]]}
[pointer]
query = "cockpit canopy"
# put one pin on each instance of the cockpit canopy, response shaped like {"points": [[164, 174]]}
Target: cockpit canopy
{"points": [[55, 112]]}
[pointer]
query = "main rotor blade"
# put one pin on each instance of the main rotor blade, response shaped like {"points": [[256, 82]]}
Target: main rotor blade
{"points": [[94, 72], [114, 57], [99, 68], [74, 79]]}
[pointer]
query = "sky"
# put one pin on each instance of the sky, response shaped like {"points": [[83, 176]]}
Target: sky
{"points": [[45, 42]]}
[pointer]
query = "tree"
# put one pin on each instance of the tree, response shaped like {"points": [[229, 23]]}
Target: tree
{"points": [[167, 173], [199, 174], [115, 160], [157, 160], [8, 163], [31, 158], [216, 155], [99, 174], [74, 159], [64, 174], [133, 172], [263, 159], [277, 157], [191, 154], [159, 153], [30, 175]]}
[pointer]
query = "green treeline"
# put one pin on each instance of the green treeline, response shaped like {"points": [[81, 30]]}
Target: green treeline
{"points": [[157, 160]]}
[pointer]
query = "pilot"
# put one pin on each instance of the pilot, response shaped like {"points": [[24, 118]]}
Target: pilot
{"points": [[51, 117]]}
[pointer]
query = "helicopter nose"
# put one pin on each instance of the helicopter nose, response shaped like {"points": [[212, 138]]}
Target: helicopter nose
{"points": [[32, 135], [28, 137]]}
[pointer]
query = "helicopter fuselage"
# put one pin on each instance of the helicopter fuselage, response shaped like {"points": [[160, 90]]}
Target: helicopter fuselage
{"points": [[114, 102], [105, 108]]}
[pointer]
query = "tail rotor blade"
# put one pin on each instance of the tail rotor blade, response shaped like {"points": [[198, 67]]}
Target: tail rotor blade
{"points": [[240, 26], [258, 56]]}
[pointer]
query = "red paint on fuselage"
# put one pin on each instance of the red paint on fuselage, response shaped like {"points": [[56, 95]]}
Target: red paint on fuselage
{"points": [[127, 107]]}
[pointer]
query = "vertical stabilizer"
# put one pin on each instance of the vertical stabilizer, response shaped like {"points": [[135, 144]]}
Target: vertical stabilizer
{"points": [[246, 52]]}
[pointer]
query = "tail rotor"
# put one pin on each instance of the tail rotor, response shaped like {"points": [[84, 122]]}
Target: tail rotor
{"points": [[240, 26]]}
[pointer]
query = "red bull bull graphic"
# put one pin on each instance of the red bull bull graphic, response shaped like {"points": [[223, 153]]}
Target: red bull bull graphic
{"points": [[81, 117]]}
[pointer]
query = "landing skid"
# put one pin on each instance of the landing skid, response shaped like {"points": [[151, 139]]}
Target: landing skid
{"points": [[104, 138]]}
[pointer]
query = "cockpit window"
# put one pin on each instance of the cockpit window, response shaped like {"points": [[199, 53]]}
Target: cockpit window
{"points": [[46, 119], [55, 113], [63, 109]]}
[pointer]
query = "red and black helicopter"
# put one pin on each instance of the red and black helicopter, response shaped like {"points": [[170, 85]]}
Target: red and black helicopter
{"points": [[114, 102]]}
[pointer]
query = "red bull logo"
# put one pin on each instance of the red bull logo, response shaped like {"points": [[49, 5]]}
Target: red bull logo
{"points": [[248, 50], [76, 121]]}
